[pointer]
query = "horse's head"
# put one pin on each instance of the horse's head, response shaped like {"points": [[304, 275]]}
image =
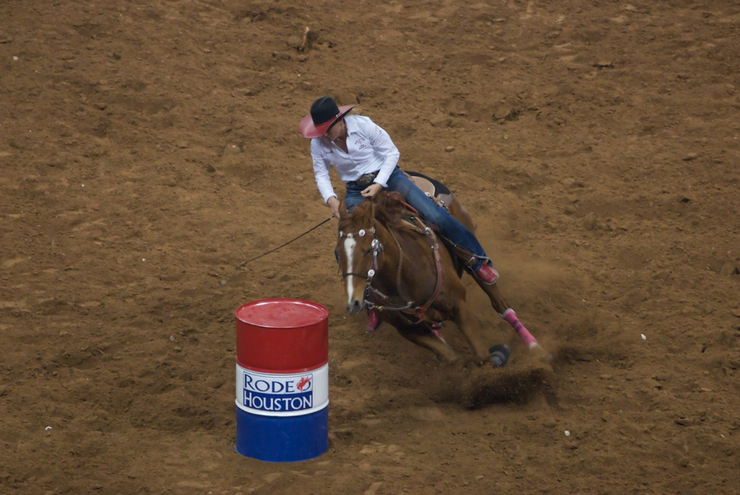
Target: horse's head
{"points": [[357, 253]]}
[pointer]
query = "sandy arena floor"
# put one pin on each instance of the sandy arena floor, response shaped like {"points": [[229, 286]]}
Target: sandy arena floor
{"points": [[149, 147]]}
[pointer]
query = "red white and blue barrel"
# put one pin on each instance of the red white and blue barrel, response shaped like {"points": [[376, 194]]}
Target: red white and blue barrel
{"points": [[282, 380]]}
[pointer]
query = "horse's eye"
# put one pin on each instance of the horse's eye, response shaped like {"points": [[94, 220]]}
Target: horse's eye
{"points": [[369, 250]]}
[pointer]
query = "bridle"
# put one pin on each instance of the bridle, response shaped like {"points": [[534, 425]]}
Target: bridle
{"points": [[375, 248], [381, 301]]}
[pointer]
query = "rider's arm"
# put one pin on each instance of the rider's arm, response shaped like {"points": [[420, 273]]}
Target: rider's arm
{"points": [[321, 170], [384, 147]]}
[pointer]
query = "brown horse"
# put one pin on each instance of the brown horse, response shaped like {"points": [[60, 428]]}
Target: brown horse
{"points": [[391, 262]]}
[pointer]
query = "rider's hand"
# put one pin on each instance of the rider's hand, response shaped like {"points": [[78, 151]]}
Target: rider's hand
{"points": [[333, 204], [371, 191]]}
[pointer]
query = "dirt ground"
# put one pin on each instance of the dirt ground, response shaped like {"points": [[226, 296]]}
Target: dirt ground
{"points": [[147, 148]]}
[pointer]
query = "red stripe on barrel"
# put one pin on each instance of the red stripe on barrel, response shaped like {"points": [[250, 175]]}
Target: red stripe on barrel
{"points": [[282, 335]]}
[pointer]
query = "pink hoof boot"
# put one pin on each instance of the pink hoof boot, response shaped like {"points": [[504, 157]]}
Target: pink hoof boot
{"points": [[487, 274], [373, 321]]}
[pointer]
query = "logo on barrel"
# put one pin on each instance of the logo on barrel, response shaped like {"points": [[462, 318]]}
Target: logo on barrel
{"points": [[278, 394]]}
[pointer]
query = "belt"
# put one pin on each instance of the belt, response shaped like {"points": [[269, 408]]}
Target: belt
{"points": [[364, 180]]}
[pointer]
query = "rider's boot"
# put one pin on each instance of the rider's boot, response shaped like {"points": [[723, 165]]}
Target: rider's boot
{"points": [[373, 321], [487, 274]]}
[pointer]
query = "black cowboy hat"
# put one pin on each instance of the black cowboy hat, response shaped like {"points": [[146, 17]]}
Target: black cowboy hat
{"points": [[324, 113]]}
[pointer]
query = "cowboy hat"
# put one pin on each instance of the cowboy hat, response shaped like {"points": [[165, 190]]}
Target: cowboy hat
{"points": [[324, 114]]}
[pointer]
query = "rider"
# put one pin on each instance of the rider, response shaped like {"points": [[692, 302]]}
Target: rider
{"points": [[366, 159]]}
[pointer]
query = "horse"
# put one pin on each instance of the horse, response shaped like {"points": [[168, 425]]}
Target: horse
{"points": [[391, 262]]}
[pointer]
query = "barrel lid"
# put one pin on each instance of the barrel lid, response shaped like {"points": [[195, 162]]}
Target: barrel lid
{"points": [[282, 313]]}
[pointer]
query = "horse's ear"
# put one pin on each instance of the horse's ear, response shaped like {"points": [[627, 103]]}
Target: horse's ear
{"points": [[343, 213], [373, 202], [380, 202], [381, 199]]}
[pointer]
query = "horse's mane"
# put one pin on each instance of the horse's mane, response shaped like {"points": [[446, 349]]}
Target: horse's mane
{"points": [[391, 209]]}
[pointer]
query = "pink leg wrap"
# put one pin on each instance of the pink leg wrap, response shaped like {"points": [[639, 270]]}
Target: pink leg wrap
{"points": [[524, 334]]}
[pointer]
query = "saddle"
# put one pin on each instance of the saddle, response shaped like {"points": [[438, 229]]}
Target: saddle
{"points": [[430, 187], [441, 195]]}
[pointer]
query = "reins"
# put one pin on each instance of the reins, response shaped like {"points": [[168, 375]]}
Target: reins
{"points": [[417, 311], [241, 265]]}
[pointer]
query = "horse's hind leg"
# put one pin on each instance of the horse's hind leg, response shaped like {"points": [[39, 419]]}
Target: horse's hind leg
{"points": [[501, 305]]}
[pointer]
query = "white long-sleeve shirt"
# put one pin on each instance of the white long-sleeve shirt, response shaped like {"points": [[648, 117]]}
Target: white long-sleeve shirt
{"points": [[370, 150]]}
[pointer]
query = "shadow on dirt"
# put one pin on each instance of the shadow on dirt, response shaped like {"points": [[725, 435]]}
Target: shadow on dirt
{"points": [[488, 386]]}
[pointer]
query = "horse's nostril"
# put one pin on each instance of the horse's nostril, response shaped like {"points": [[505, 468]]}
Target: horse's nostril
{"points": [[354, 307]]}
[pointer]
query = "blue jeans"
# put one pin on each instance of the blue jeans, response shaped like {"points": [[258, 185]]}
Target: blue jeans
{"points": [[449, 225]]}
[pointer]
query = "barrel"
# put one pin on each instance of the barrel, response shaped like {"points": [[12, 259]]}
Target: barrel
{"points": [[282, 380]]}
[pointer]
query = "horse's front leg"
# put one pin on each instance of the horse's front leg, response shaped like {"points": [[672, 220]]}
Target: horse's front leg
{"points": [[428, 339], [468, 325]]}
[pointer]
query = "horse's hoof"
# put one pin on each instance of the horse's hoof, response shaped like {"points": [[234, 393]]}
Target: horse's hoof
{"points": [[499, 355], [540, 352]]}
